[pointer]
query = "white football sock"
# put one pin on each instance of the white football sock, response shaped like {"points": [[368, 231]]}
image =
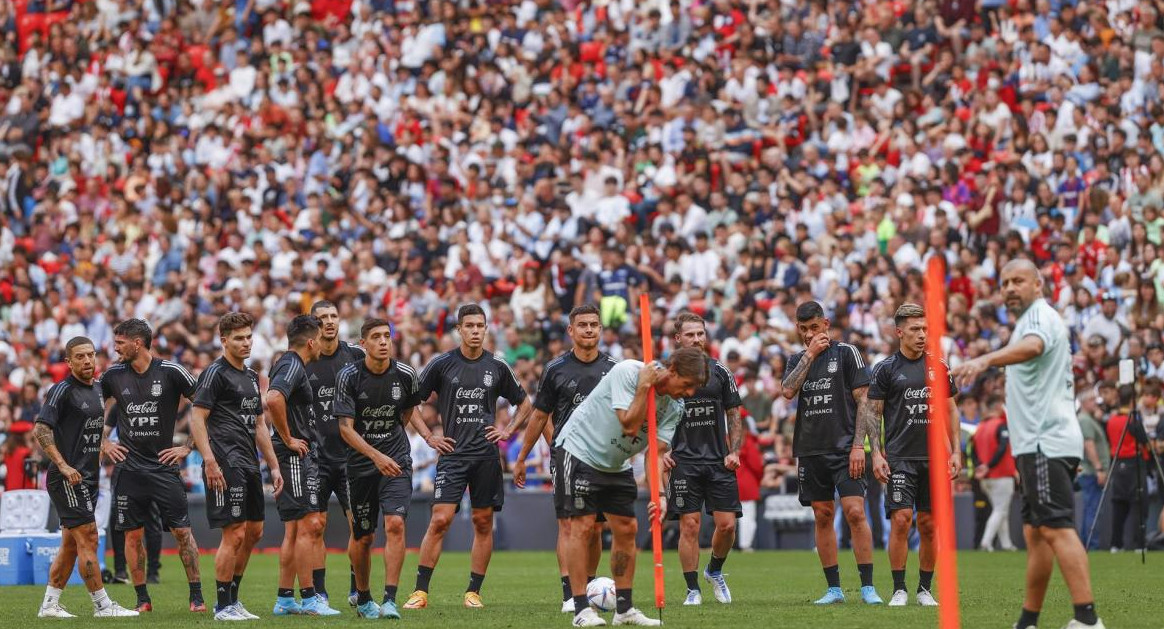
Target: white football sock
{"points": [[100, 599], [52, 596]]}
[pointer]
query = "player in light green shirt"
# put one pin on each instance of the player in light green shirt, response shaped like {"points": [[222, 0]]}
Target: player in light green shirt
{"points": [[593, 473], [1045, 439]]}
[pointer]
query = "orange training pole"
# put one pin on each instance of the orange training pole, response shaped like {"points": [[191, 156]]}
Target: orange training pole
{"points": [[940, 489], [653, 470]]}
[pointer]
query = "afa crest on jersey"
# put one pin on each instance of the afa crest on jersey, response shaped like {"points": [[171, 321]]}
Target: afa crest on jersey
{"points": [[156, 390], [832, 368], [396, 392], [488, 379]]}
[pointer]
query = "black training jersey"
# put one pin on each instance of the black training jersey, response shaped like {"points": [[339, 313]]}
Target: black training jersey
{"points": [[903, 385], [467, 392], [378, 405], [147, 410], [567, 381], [826, 412], [232, 395], [289, 377], [702, 434], [323, 374], [76, 413]]}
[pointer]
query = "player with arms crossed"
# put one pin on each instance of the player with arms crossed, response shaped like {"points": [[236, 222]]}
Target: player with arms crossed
{"points": [[373, 399], [68, 430], [1045, 438], [142, 397], [468, 380], [332, 452], [705, 454], [226, 426], [595, 475], [291, 404], [829, 380], [900, 391], [566, 382]]}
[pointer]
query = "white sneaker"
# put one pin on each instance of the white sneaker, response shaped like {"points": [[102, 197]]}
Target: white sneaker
{"points": [[229, 613], [900, 599], [242, 611], [1075, 624], [114, 611], [926, 599], [694, 597], [720, 587], [53, 611], [986, 549], [568, 606], [588, 618], [635, 617]]}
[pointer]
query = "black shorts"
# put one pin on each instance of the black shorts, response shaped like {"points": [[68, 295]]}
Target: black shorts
{"points": [[373, 495], [333, 479], [909, 487], [584, 490], [481, 476], [300, 496], [1126, 478], [74, 503], [135, 492], [823, 476], [695, 487], [1048, 488], [242, 501]]}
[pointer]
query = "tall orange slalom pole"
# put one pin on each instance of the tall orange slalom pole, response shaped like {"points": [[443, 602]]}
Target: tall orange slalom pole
{"points": [[653, 471], [940, 490]]}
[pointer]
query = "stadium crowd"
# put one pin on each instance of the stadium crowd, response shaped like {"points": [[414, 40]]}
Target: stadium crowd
{"points": [[174, 160]]}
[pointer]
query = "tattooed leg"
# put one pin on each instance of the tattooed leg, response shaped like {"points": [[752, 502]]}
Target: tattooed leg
{"points": [[188, 552]]}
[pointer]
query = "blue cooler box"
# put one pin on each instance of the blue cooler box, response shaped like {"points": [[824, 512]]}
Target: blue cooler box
{"points": [[15, 559], [45, 547]]}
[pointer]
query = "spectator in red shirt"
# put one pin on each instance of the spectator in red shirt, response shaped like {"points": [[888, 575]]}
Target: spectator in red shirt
{"points": [[16, 456], [994, 467], [748, 476], [1128, 470]]}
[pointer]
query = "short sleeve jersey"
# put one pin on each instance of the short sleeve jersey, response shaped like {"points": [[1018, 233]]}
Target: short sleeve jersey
{"points": [[826, 411], [566, 382], [323, 375], [467, 392], [378, 405], [75, 412], [702, 435], [147, 410], [289, 377], [903, 385], [232, 397], [1040, 393]]}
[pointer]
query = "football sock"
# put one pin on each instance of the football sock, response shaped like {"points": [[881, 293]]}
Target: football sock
{"points": [[234, 584], [580, 604], [363, 596], [566, 594], [833, 576], [351, 578], [223, 590], [925, 580], [286, 593], [898, 580], [866, 572], [100, 599], [143, 593], [390, 593], [423, 576], [692, 579], [318, 579], [716, 564], [1085, 614], [623, 603], [196, 591], [1028, 619], [475, 581], [51, 595], [306, 594]]}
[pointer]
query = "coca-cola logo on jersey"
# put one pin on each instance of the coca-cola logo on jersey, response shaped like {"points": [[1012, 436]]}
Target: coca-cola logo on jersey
{"points": [[326, 392], [821, 384], [578, 398], [251, 404], [917, 394], [142, 409], [470, 394], [379, 411]]}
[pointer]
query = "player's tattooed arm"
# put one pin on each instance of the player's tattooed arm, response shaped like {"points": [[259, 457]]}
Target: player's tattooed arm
{"points": [[795, 378], [869, 414], [43, 435], [735, 430]]}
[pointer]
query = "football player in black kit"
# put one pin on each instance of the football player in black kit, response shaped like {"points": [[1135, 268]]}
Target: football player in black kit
{"points": [[374, 397], [226, 425], [829, 379], [291, 405], [68, 430], [322, 372], [142, 396], [566, 381], [900, 391], [467, 381], [705, 455]]}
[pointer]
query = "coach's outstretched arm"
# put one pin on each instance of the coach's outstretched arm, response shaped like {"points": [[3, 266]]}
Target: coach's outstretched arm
{"points": [[1031, 346], [633, 418]]}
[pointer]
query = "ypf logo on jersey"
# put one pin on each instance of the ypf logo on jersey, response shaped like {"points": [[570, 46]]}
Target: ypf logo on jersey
{"points": [[156, 389], [488, 378]]}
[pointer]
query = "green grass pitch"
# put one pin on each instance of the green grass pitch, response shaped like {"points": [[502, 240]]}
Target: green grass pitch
{"points": [[771, 590]]}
